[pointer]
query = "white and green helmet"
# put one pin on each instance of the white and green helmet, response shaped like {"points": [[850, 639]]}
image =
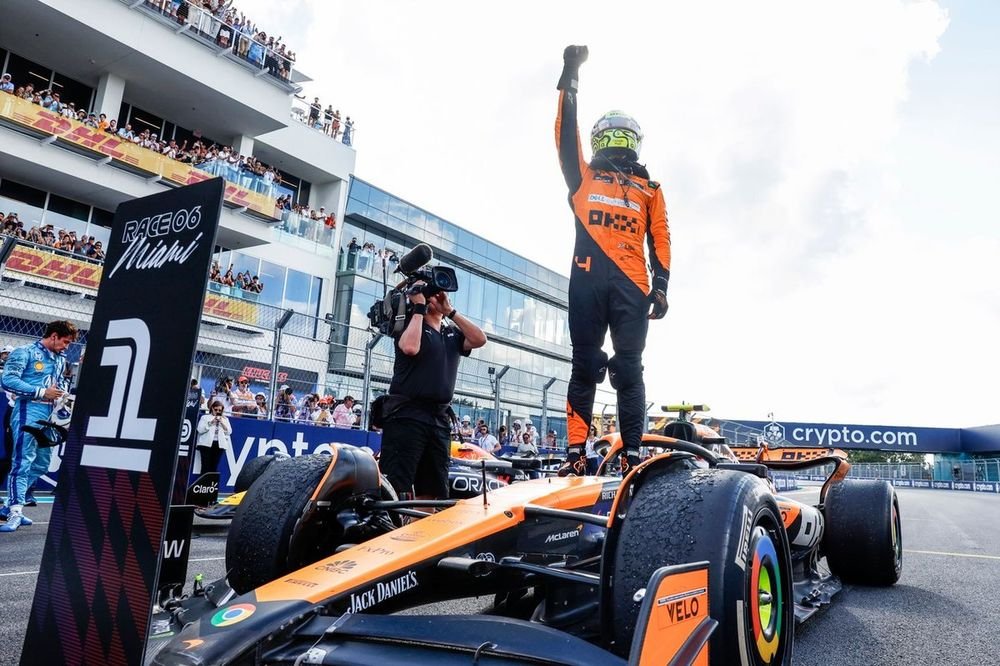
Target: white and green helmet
{"points": [[616, 129]]}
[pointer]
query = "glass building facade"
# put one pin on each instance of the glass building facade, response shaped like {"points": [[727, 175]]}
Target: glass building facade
{"points": [[520, 305]]}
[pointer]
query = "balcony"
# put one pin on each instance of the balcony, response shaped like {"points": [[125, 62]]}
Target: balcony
{"points": [[246, 50], [105, 148]]}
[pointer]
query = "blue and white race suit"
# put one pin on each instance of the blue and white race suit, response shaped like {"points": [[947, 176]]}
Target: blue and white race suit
{"points": [[29, 371]]}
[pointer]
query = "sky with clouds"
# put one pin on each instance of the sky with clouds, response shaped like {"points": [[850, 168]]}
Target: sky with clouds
{"points": [[828, 170]]}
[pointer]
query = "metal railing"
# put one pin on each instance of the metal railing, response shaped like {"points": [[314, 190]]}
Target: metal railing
{"points": [[223, 36], [342, 129]]}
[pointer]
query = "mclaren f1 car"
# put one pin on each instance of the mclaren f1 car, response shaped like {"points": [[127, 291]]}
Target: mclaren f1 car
{"points": [[689, 559]]}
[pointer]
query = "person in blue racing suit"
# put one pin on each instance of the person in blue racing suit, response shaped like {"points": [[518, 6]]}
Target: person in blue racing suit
{"points": [[35, 375]]}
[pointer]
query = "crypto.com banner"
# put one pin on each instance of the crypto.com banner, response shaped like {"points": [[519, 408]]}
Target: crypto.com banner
{"points": [[837, 435], [96, 584]]}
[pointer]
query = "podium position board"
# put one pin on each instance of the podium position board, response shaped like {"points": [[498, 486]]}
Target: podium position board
{"points": [[96, 585]]}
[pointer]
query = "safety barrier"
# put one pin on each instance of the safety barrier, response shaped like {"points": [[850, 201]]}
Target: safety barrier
{"points": [[927, 484]]}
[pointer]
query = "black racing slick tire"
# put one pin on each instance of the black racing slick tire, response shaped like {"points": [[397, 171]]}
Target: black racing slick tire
{"points": [[252, 470], [863, 542], [269, 536], [731, 520]]}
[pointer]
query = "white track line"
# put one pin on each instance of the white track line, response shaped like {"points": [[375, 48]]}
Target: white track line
{"points": [[19, 573], [972, 555]]}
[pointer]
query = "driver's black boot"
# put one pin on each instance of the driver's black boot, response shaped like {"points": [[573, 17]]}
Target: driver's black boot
{"points": [[576, 464]]}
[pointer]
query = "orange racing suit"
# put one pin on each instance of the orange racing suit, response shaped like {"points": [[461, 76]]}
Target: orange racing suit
{"points": [[618, 211]]}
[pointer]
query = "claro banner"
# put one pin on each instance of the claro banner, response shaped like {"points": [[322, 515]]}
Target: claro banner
{"points": [[838, 435], [40, 120]]}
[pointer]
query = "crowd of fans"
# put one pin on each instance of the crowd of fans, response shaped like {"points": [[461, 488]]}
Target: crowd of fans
{"points": [[242, 280], [218, 160], [367, 258], [312, 408], [48, 236], [228, 27], [328, 121]]}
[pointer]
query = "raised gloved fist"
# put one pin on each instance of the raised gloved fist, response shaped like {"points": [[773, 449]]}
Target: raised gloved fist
{"points": [[575, 55], [658, 298]]}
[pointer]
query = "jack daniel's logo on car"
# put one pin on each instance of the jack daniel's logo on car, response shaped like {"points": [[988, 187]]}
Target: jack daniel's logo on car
{"points": [[142, 253], [381, 592]]}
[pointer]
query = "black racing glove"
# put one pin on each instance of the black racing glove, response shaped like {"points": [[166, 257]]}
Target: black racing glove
{"points": [[573, 57], [658, 298]]}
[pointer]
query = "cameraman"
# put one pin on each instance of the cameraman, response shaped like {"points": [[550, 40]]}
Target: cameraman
{"points": [[416, 431]]}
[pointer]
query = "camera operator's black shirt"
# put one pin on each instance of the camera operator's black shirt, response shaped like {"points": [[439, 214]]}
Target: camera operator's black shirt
{"points": [[428, 377]]}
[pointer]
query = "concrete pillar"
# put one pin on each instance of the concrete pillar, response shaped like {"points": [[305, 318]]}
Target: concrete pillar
{"points": [[110, 90], [243, 145]]}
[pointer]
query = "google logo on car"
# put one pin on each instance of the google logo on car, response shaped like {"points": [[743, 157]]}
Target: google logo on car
{"points": [[232, 615]]}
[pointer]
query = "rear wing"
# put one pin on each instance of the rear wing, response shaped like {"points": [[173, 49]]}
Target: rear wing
{"points": [[796, 459]]}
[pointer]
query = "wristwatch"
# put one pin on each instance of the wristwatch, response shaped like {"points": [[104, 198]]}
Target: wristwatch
{"points": [[451, 315], [420, 308]]}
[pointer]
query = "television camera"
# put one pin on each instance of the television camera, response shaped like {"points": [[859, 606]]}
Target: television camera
{"points": [[389, 314]]}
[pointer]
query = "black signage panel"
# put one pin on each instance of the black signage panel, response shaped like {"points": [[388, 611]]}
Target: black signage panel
{"points": [[97, 580]]}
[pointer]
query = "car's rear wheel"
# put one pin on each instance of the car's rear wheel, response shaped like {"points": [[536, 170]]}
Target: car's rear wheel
{"points": [[863, 542], [731, 520]]}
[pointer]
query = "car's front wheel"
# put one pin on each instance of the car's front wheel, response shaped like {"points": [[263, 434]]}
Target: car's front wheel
{"points": [[731, 520]]}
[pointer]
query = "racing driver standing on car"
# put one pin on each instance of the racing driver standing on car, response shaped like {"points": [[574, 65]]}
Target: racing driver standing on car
{"points": [[618, 210]]}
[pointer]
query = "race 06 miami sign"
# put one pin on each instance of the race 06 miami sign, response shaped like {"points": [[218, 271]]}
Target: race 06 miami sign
{"points": [[95, 588]]}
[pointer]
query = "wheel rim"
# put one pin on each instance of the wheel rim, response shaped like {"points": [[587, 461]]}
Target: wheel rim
{"points": [[766, 597]]}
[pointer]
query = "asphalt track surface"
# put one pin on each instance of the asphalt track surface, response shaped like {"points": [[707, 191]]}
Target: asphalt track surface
{"points": [[944, 610]]}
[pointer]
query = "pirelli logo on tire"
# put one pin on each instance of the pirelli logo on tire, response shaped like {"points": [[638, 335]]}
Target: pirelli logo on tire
{"points": [[743, 551]]}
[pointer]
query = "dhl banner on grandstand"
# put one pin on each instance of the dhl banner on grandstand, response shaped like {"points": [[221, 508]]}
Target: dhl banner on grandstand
{"points": [[52, 266], [35, 117], [71, 271]]}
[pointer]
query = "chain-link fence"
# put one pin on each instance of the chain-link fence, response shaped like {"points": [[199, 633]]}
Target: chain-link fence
{"points": [[239, 337]]}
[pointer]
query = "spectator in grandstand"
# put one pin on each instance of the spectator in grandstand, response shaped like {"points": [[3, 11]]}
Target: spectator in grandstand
{"points": [[196, 396], [98, 251], [526, 447], [465, 431], [284, 405], [307, 406], [255, 286], [260, 399], [323, 415], [530, 429], [4, 355], [550, 439], [348, 128], [593, 458], [343, 415], [327, 118], [335, 127], [214, 436], [243, 402], [487, 441], [223, 393], [516, 430], [503, 436], [6, 85]]}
